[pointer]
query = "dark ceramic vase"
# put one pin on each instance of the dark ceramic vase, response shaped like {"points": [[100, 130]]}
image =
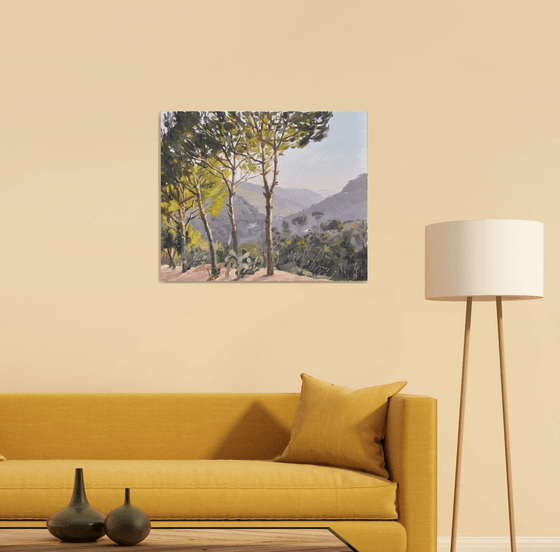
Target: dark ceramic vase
{"points": [[78, 522], [127, 524]]}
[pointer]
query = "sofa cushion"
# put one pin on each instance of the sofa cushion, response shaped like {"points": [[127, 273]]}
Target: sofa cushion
{"points": [[198, 489], [337, 426], [145, 426]]}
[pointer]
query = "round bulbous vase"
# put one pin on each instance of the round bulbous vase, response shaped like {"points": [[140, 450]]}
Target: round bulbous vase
{"points": [[127, 525], [78, 522]]}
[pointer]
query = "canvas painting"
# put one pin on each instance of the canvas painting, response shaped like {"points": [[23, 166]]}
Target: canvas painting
{"points": [[263, 196]]}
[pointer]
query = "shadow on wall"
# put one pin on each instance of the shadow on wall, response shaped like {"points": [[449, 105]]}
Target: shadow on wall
{"points": [[258, 435]]}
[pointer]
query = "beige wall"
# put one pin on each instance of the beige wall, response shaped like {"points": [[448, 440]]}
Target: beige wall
{"points": [[464, 119]]}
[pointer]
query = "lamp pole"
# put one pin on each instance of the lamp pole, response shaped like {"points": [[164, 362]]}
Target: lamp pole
{"points": [[461, 424], [506, 424]]}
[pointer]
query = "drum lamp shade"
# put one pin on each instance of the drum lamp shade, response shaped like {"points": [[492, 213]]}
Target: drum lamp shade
{"points": [[484, 259]]}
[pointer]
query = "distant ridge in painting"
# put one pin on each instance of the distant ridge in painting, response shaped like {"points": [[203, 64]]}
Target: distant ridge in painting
{"points": [[263, 196]]}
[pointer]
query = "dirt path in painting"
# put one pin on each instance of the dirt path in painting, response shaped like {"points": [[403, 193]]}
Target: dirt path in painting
{"points": [[200, 274]]}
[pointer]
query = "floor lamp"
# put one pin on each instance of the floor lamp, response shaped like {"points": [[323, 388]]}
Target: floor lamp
{"points": [[484, 260]]}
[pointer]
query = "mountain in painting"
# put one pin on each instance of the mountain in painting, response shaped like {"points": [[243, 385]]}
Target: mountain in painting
{"points": [[348, 204], [325, 193], [287, 201]]}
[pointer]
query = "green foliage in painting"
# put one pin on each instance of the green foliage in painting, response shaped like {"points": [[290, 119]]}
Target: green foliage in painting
{"points": [[189, 188], [246, 262], [339, 252], [332, 226], [222, 252], [300, 222]]}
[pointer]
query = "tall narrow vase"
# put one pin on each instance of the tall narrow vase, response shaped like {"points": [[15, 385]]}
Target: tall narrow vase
{"points": [[78, 522]]}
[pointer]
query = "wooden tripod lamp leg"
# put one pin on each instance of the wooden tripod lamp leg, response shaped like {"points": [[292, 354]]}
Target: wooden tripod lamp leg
{"points": [[506, 425], [461, 423]]}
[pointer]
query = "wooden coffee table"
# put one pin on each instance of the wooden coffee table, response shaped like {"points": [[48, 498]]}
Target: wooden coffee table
{"points": [[224, 539]]}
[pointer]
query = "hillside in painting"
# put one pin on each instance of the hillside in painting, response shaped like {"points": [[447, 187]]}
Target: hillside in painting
{"points": [[250, 222], [350, 204], [287, 201]]}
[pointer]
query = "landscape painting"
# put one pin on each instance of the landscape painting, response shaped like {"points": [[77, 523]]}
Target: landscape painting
{"points": [[263, 196]]}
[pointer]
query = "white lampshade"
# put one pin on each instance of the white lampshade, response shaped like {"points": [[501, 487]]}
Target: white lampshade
{"points": [[483, 259]]}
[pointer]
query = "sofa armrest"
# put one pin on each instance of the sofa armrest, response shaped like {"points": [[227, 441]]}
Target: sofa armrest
{"points": [[411, 458]]}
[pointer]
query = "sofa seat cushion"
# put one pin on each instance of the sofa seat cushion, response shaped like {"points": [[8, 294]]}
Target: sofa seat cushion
{"points": [[198, 489]]}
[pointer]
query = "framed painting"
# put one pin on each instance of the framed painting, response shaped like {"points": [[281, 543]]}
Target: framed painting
{"points": [[263, 196]]}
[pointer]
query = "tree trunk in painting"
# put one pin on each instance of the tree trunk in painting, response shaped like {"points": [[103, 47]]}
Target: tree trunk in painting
{"points": [[204, 220], [268, 193], [268, 225], [184, 263], [171, 259], [231, 214]]}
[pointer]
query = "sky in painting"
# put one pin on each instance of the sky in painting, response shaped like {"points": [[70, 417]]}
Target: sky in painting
{"points": [[330, 164]]}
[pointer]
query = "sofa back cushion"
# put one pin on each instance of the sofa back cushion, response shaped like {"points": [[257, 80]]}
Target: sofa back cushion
{"points": [[145, 426]]}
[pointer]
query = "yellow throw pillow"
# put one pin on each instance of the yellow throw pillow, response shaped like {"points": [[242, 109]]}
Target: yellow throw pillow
{"points": [[2, 458], [337, 426]]}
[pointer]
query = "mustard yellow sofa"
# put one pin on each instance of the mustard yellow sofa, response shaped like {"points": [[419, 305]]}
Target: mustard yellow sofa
{"points": [[204, 460]]}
